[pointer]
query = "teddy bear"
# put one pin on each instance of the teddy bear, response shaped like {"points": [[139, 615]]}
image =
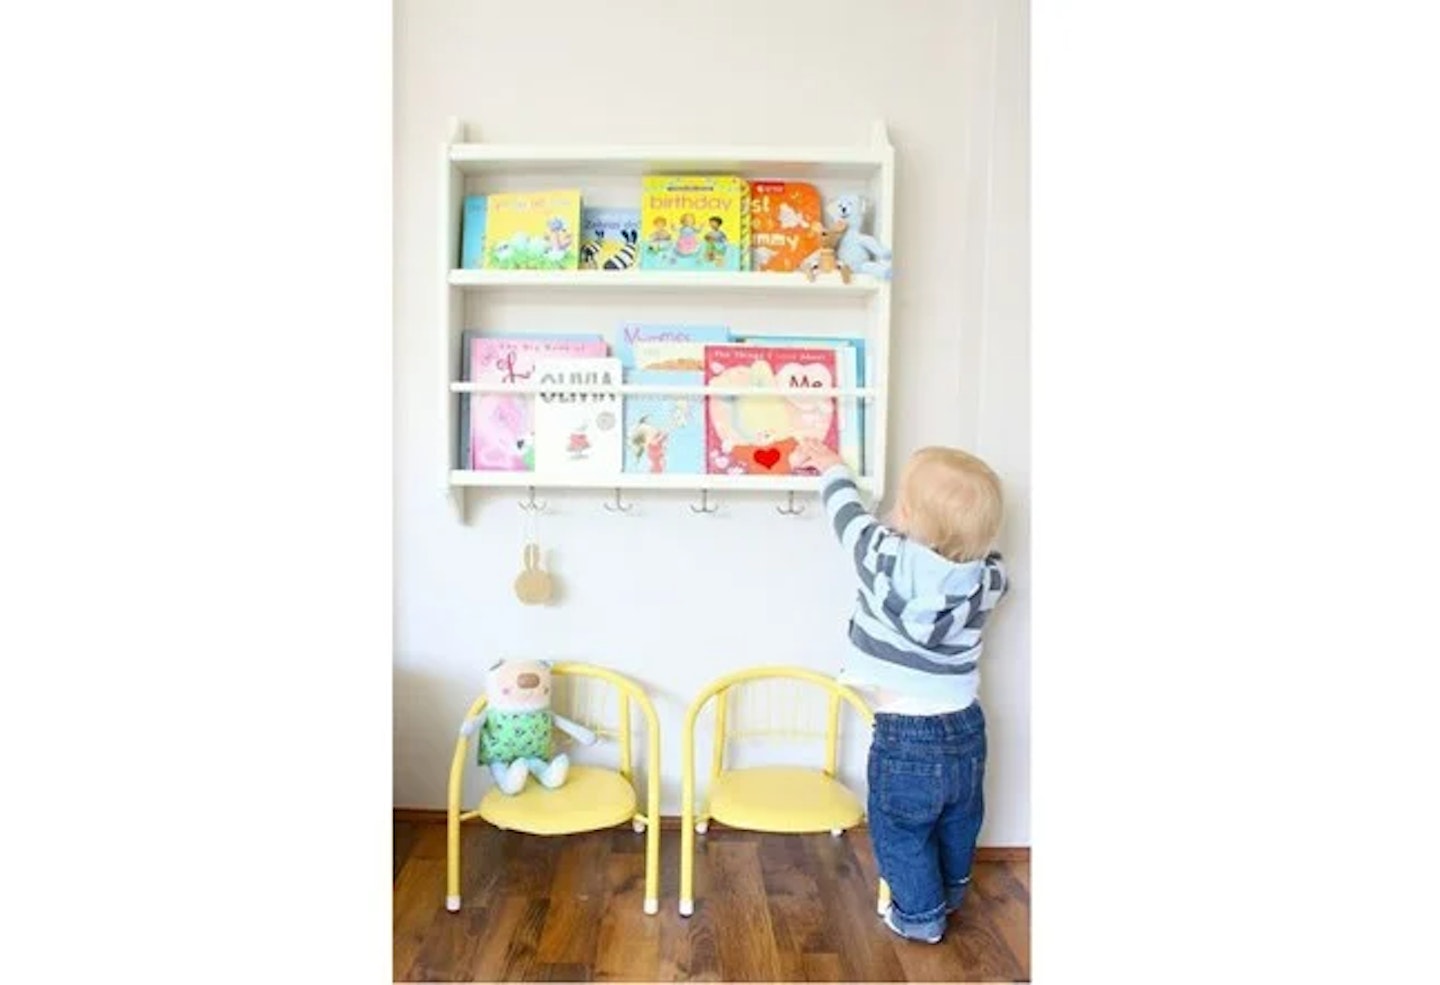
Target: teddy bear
{"points": [[822, 261], [516, 727], [854, 251]]}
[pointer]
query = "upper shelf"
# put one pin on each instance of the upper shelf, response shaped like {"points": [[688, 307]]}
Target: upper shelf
{"points": [[852, 162], [666, 280], [856, 162]]}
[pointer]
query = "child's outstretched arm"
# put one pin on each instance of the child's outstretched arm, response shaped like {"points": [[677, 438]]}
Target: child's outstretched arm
{"points": [[857, 530]]}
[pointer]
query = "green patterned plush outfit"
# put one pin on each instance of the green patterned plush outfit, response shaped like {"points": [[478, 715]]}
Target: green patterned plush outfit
{"points": [[510, 735]]}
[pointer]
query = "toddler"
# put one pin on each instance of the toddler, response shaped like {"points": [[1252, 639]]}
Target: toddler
{"points": [[928, 581]]}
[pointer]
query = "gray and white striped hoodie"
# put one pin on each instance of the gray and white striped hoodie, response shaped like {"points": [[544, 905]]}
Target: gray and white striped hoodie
{"points": [[919, 617]]}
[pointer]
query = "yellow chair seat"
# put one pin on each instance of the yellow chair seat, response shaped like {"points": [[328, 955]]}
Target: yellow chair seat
{"points": [[588, 800], [783, 799]]}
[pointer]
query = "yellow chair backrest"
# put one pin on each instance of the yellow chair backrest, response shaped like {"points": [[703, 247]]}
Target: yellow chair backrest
{"points": [[769, 703]]}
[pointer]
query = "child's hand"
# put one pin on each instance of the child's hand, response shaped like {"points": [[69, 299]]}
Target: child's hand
{"points": [[813, 454]]}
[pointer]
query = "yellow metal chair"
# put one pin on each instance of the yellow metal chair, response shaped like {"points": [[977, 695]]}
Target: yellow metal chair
{"points": [[783, 799], [591, 797]]}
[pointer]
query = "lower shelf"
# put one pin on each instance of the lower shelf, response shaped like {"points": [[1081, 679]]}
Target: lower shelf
{"points": [[641, 480]]}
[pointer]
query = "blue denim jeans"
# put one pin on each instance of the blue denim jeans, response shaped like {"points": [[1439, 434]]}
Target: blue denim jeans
{"points": [[926, 775]]}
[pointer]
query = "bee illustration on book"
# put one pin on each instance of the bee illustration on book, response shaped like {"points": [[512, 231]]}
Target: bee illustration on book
{"points": [[591, 249], [625, 259]]}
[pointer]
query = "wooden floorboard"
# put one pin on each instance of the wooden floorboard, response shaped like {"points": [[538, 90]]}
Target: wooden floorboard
{"points": [[767, 908]]}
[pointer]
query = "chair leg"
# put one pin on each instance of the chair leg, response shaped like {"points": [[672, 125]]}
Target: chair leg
{"points": [[652, 869], [452, 860], [687, 864]]}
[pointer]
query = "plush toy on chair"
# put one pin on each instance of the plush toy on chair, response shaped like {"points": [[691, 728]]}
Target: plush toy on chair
{"points": [[515, 727]]}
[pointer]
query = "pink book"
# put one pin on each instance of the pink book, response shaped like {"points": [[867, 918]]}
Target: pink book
{"points": [[501, 425], [756, 435]]}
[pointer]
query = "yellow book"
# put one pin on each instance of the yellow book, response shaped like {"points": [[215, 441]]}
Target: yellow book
{"points": [[695, 222], [533, 231]]}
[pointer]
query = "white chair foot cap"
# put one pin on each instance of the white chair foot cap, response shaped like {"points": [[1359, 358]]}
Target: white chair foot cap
{"points": [[652, 907], [836, 832], [702, 826], [638, 826], [452, 903], [687, 907]]}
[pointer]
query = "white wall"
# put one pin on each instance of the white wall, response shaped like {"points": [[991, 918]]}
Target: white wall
{"points": [[672, 599]]}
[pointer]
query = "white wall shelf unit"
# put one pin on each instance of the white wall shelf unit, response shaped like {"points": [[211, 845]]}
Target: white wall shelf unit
{"points": [[468, 165]]}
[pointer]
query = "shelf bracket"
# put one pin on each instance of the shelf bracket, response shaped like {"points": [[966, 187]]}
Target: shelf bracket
{"points": [[457, 502]]}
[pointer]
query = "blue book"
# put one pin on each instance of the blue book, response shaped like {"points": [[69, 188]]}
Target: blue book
{"points": [[630, 334], [472, 233], [858, 344], [665, 434]]}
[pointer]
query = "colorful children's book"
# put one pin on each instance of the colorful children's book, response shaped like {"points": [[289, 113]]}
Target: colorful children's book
{"points": [[472, 232], [497, 433], [609, 238], [631, 335], [578, 433], [533, 231], [756, 435], [665, 433], [696, 222], [852, 411], [784, 224], [688, 356]]}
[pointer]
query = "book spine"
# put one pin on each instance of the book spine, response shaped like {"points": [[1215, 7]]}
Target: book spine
{"points": [[745, 260]]}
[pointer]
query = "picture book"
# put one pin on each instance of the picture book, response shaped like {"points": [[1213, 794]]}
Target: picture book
{"points": [[472, 232], [696, 222], [665, 433], [631, 335], [756, 435], [578, 433], [532, 231], [497, 432], [609, 238], [784, 224], [852, 374]]}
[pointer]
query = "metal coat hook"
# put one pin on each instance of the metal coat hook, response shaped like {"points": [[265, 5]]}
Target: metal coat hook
{"points": [[531, 506], [790, 510], [704, 499], [617, 506]]}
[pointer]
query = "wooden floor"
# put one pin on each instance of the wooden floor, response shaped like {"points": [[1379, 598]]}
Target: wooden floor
{"points": [[767, 908]]}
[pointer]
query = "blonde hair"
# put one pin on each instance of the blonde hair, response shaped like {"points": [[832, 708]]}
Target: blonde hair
{"points": [[949, 500]]}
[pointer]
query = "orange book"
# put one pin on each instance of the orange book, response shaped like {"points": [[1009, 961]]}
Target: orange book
{"points": [[784, 224]]}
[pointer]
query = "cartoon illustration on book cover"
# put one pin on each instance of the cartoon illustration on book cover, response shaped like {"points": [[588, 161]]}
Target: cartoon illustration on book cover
{"points": [[756, 435], [577, 433], [850, 371], [695, 223], [609, 238], [785, 224], [532, 231], [665, 433], [500, 430]]}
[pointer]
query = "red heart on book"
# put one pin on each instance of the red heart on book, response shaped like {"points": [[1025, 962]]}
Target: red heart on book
{"points": [[767, 457]]}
